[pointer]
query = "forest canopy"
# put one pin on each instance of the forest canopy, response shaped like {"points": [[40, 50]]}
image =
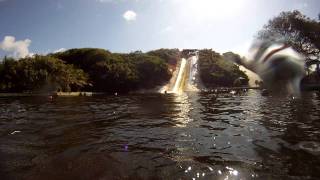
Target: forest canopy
{"points": [[86, 69], [296, 30], [40, 73], [99, 70], [216, 71], [115, 72]]}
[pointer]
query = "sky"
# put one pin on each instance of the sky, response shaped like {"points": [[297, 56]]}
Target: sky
{"points": [[43, 26]]}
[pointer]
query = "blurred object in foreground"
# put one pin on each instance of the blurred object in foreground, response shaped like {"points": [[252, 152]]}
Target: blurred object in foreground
{"points": [[280, 67]]}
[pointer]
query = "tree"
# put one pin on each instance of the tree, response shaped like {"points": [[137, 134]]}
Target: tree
{"points": [[40, 73], [216, 71], [296, 30], [170, 56], [233, 57], [7, 74], [116, 72], [151, 70]]}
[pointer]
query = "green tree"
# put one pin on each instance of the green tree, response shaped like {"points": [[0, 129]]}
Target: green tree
{"points": [[170, 56], [41, 73], [297, 30], [232, 57], [152, 70], [216, 71], [116, 72], [7, 74]]}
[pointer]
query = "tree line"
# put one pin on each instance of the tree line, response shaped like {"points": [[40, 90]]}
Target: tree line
{"points": [[216, 71], [293, 28], [87, 69], [302, 33], [99, 70], [290, 27]]}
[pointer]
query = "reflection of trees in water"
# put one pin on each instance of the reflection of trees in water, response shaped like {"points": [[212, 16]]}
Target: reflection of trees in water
{"points": [[291, 123], [54, 134], [151, 131], [295, 119], [171, 109], [278, 124]]}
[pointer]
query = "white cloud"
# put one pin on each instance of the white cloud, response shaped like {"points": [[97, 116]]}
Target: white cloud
{"points": [[19, 49], [60, 50], [130, 15]]}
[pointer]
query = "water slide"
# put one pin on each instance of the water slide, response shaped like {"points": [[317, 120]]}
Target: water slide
{"points": [[185, 78]]}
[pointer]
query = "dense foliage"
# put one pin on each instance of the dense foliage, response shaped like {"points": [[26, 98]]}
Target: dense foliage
{"points": [[170, 55], [87, 69], [215, 71], [297, 30], [114, 72], [90, 69], [40, 73]]}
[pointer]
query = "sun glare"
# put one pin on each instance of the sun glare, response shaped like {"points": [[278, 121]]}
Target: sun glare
{"points": [[212, 9]]}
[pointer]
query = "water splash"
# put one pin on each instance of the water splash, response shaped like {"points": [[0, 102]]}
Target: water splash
{"points": [[194, 81]]}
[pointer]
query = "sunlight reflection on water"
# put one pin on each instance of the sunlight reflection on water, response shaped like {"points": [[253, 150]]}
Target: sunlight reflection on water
{"points": [[183, 108], [185, 136]]}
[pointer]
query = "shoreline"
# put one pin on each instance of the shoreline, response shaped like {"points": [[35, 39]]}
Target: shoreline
{"points": [[88, 94], [59, 94]]}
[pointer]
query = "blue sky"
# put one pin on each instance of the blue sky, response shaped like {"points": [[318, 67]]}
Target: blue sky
{"points": [[43, 26]]}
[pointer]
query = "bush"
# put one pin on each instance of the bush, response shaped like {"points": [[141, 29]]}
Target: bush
{"points": [[215, 71], [40, 73]]}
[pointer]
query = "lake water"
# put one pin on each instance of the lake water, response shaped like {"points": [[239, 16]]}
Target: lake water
{"points": [[158, 136]]}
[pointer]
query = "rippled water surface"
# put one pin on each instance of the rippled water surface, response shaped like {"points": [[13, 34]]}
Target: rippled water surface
{"points": [[145, 136]]}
